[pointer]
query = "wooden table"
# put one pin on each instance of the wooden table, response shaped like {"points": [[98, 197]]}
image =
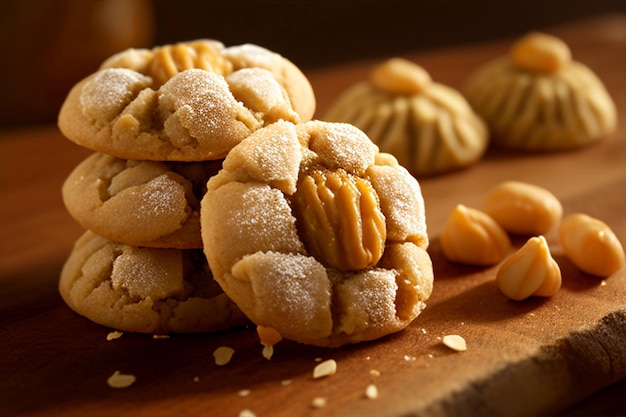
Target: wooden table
{"points": [[535, 357]]}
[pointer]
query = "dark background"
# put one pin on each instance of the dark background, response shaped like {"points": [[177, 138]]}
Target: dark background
{"points": [[313, 33], [48, 45]]}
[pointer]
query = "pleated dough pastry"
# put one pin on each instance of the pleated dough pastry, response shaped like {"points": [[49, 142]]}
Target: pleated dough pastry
{"points": [[429, 127], [537, 98]]}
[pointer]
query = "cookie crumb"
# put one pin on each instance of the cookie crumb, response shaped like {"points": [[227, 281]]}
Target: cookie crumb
{"points": [[326, 368], [371, 391], [318, 402], [114, 335], [375, 373], [160, 336], [120, 380], [267, 352], [223, 354], [286, 382], [246, 413], [455, 342], [244, 392]]}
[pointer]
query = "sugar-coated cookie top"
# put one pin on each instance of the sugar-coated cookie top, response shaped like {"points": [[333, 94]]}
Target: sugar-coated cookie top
{"points": [[189, 101], [300, 212]]}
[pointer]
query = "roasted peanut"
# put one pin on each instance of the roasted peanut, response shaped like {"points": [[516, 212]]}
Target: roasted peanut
{"points": [[523, 208], [531, 271], [591, 245], [472, 237], [540, 52], [340, 219], [400, 76]]}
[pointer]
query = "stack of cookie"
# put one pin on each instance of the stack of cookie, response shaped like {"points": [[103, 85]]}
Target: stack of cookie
{"points": [[160, 123], [214, 199]]}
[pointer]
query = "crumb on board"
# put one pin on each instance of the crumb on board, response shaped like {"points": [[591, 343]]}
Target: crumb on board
{"points": [[371, 391], [318, 402], [223, 355], [114, 335], [244, 392], [374, 373], [160, 336], [246, 413], [455, 342], [326, 368], [268, 351], [120, 380], [286, 382]]}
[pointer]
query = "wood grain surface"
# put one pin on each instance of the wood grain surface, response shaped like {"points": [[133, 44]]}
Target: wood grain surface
{"points": [[536, 357]]}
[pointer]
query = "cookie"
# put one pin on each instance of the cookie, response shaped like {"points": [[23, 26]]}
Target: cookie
{"points": [[314, 233], [139, 203], [145, 290], [537, 98], [428, 126], [190, 101]]}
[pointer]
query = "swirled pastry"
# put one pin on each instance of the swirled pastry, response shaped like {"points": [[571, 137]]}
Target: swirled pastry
{"points": [[145, 290], [429, 127], [314, 233], [139, 203], [189, 101], [537, 98]]}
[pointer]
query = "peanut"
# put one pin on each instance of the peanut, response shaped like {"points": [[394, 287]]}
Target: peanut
{"points": [[591, 245], [540, 52], [531, 271], [400, 76], [472, 237], [340, 219], [523, 208], [171, 59]]}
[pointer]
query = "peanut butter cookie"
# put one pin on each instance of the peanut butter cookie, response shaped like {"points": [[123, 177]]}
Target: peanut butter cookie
{"points": [[145, 290], [190, 101], [314, 233], [139, 203]]}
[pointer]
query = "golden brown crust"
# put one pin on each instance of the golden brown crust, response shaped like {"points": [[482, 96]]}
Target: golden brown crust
{"points": [[253, 234], [184, 102], [144, 290], [140, 203]]}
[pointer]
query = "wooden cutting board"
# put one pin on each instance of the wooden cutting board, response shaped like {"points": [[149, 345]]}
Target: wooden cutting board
{"points": [[534, 357]]}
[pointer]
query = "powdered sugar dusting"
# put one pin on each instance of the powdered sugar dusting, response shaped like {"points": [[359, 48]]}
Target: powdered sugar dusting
{"points": [[109, 91], [292, 289], [401, 202], [259, 91], [341, 145], [250, 55], [144, 272], [266, 217], [199, 102]]}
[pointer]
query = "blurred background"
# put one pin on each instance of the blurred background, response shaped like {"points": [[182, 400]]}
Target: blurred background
{"points": [[48, 45]]}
